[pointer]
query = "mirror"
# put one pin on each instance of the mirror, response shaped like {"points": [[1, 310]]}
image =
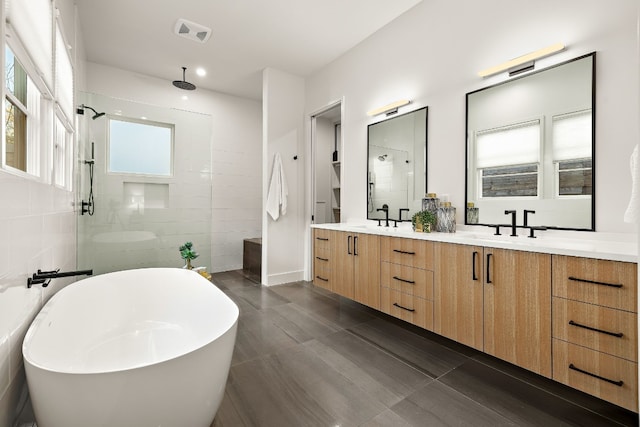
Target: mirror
{"points": [[397, 165], [530, 144]]}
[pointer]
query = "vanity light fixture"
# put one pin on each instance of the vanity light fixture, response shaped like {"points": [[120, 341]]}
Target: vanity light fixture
{"points": [[522, 63], [389, 109]]}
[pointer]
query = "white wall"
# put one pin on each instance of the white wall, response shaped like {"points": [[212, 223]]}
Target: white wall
{"points": [[282, 240], [37, 230], [432, 54], [236, 152]]}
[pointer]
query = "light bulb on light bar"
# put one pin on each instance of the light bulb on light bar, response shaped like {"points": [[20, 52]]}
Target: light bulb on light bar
{"points": [[389, 107], [540, 53]]}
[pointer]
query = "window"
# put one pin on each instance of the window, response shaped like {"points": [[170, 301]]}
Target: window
{"points": [[22, 113], [572, 157], [140, 148], [507, 160], [62, 155]]}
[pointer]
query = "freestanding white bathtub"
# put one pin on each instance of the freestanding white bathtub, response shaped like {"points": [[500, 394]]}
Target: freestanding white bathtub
{"points": [[147, 347]]}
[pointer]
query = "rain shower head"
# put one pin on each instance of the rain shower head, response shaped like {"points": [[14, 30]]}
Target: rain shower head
{"points": [[184, 84], [382, 158], [81, 109]]}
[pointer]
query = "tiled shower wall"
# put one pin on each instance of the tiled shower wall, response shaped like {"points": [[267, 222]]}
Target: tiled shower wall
{"points": [[37, 230]]}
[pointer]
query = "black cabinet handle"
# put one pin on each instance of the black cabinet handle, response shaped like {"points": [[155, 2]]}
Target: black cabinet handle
{"points": [[322, 259], [349, 245], [355, 245], [404, 252], [613, 285], [618, 383], [322, 238], [474, 276], [404, 280], [614, 334], [322, 278], [489, 268], [404, 308]]}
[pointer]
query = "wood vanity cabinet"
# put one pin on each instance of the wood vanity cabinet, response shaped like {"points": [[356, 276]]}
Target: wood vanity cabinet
{"points": [[497, 301], [406, 280], [355, 271], [595, 327], [322, 258]]}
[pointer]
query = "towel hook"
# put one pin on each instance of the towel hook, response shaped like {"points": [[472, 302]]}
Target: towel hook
{"points": [[295, 157]]}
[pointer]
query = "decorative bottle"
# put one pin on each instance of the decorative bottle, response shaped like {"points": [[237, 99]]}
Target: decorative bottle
{"points": [[430, 203], [473, 214], [446, 218]]}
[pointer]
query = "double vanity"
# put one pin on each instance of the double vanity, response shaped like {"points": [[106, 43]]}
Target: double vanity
{"points": [[562, 308]]}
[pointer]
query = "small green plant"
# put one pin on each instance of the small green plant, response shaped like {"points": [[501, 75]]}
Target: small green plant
{"points": [[424, 218], [187, 252]]}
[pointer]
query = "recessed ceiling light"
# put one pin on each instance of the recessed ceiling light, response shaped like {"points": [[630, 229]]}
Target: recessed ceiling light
{"points": [[201, 72], [185, 98]]}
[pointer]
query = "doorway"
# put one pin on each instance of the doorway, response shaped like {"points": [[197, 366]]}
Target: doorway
{"points": [[326, 164]]}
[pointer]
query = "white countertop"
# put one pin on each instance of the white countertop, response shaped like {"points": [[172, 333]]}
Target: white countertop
{"points": [[607, 246]]}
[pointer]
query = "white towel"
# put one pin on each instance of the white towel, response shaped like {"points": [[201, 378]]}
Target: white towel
{"points": [[633, 210], [278, 190]]}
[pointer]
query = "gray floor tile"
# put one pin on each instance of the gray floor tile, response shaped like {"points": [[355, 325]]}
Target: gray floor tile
{"points": [[516, 400], [439, 405], [385, 377], [297, 323], [431, 358]]}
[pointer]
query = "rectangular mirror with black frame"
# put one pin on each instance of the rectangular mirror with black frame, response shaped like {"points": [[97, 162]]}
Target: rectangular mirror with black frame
{"points": [[397, 166], [530, 146]]}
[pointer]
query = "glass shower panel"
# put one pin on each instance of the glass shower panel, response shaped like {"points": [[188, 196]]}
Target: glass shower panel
{"points": [[140, 220]]}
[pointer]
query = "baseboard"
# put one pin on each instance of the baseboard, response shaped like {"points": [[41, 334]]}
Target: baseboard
{"points": [[281, 278]]}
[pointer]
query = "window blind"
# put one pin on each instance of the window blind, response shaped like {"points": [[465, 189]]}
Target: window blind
{"points": [[572, 136], [508, 145], [64, 77], [32, 20]]}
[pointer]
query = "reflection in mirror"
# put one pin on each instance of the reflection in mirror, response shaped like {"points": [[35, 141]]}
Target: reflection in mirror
{"points": [[397, 166], [530, 146]]}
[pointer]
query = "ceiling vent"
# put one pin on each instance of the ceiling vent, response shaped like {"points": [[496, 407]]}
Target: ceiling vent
{"points": [[192, 31]]}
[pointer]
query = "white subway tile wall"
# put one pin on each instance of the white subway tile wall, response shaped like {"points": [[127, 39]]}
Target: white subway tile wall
{"points": [[37, 230]]}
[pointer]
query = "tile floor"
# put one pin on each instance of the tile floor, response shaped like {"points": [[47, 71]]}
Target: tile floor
{"points": [[306, 357]]}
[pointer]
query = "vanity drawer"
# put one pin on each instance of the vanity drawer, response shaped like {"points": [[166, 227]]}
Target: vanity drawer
{"points": [[409, 308], [599, 328], [409, 280], [321, 239], [607, 283], [607, 377], [409, 252]]}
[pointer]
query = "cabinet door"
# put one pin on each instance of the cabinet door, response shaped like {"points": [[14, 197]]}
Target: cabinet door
{"points": [[517, 308], [458, 293], [342, 266], [366, 258]]}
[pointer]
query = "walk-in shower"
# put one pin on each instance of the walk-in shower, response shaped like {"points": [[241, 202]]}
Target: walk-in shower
{"points": [[141, 216]]}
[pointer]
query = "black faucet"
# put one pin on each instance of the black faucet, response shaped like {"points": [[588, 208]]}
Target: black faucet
{"points": [[400, 213], [526, 219], [386, 215], [44, 277], [513, 222]]}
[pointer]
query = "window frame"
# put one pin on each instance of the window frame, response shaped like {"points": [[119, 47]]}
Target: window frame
{"points": [[146, 122]]}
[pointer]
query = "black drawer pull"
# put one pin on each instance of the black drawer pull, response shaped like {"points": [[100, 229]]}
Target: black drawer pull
{"points": [[324, 239], [474, 276], [618, 383], [613, 285], [322, 259], [404, 252], [322, 278], [614, 334], [404, 280], [404, 308]]}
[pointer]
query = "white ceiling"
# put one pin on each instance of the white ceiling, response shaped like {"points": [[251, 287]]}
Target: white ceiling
{"points": [[295, 36]]}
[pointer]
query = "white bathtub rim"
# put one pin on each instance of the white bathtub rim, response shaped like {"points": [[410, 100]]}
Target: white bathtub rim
{"points": [[42, 316]]}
